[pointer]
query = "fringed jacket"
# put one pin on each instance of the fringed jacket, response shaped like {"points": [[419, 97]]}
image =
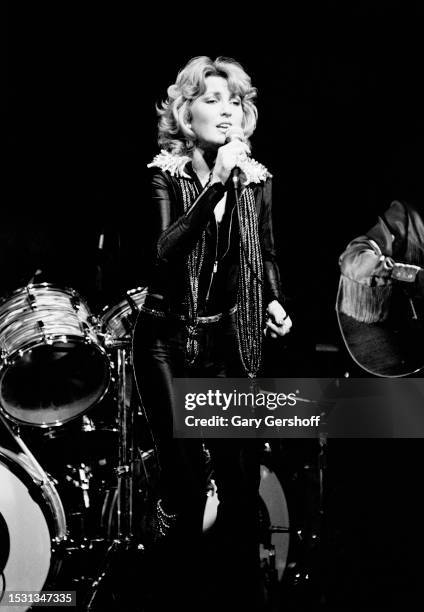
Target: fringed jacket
{"points": [[367, 262], [174, 230]]}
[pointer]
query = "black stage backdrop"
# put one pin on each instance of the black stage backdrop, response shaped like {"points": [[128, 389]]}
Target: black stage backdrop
{"points": [[340, 127]]}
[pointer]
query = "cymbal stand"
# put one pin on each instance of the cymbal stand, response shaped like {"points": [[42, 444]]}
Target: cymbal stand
{"points": [[124, 471]]}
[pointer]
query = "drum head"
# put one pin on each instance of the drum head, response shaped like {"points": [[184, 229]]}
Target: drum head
{"points": [[51, 384], [25, 537], [276, 516]]}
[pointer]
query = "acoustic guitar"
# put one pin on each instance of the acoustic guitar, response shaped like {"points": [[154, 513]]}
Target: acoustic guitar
{"points": [[394, 347]]}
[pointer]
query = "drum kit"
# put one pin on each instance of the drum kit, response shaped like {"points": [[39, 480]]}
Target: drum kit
{"points": [[76, 473], [68, 410]]}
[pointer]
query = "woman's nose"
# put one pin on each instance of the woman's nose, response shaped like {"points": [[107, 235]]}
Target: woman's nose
{"points": [[226, 108]]}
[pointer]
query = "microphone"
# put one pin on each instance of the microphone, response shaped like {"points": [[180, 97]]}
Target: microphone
{"points": [[235, 133]]}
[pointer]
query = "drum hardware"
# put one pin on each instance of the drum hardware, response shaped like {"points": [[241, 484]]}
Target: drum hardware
{"points": [[88, 424], [126, 454], [75, 302], [124, 540], [57, 307], [31, 298], [322, 464], [36, 468], [89, 554], [303, 578], [85, 330], [42, 331], [82, 460], [144, 457], [122, 469], [84, 475]]}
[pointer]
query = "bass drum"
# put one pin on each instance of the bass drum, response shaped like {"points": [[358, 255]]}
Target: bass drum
{"points": [[32, 527], [273, 520], [53, 367]]}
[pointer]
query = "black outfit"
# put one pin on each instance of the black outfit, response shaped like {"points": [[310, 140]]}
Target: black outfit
{"points": [[175, 234], [160, 355]]}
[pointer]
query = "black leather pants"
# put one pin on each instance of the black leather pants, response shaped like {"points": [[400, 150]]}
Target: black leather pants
{"points": [[158, 357]]}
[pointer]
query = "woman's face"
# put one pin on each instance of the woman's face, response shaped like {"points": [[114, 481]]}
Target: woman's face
{"points": [[214, 112]]}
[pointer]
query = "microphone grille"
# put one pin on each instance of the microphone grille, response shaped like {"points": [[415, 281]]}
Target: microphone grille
{"points": [[235, 133]]}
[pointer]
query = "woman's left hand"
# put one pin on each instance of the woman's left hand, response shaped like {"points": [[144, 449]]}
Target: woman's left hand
{"points": [[278, 321]]}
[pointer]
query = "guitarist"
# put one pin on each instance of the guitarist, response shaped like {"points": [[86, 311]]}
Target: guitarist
{"points": [[374, 267]]}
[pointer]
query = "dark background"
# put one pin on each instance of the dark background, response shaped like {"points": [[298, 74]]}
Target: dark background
{"points": [[341, 128]]}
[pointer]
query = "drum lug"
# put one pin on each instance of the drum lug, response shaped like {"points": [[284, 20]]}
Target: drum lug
{"points": [[47, 339], [31, 299], [94, 321], [58, 540], [86, 331], [75, 303]]}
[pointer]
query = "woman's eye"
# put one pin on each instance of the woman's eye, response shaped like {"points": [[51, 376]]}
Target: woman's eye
{"points": [[236, 101], [210, 100]]}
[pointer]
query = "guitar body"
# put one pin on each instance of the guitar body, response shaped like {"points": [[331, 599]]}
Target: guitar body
{"points": [[392, 348]]}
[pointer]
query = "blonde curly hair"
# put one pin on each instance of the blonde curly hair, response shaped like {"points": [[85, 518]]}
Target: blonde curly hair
{"points": [[174, 134]]}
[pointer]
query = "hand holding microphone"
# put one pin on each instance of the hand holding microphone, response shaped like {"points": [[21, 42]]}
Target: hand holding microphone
{"points": [[229, 155]]}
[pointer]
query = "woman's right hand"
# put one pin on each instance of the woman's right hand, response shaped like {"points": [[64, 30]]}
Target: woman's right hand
{"points": [[227, 158]]}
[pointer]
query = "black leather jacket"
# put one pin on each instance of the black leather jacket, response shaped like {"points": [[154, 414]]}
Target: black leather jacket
{"points": [[174, 233]]}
